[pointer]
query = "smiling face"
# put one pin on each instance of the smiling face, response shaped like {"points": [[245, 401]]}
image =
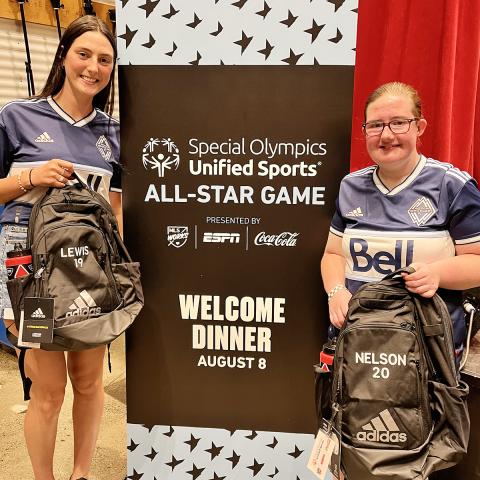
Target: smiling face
{"points": [[88, 65], [394, 150]]}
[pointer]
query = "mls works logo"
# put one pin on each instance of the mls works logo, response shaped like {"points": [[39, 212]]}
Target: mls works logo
{"points": [[177, 236], [160, 155]]}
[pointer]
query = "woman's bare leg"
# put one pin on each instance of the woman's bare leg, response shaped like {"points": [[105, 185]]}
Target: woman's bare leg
{"points": [[85, 370], [49, 376]]}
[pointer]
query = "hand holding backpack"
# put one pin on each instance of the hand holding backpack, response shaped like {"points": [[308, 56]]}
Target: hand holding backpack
{"points": [[79, 260], [396, 397]]}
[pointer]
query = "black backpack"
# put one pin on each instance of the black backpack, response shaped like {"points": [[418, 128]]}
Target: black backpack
{"points": [[81, 262], [396, 397]]}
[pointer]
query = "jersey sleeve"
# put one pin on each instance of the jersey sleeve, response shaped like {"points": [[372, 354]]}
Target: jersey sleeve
{"points": [[337, 225], [464, 225]]}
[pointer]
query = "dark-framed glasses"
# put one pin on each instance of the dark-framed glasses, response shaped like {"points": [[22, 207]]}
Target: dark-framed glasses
{"points": [[399, 125]]}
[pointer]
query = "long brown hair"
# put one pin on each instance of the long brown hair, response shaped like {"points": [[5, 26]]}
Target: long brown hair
{"points": [[88, 23]]}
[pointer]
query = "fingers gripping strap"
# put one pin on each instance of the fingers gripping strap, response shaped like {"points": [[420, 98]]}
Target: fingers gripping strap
{"points": [[398, 272]]}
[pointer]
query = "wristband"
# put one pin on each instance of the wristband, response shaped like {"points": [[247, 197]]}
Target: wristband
{"points": [[30, 178], [337, 288]]}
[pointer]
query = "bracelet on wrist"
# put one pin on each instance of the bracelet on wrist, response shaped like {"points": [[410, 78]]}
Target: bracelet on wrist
{"points": [[337, 288], [20, 184], [30, 178]]}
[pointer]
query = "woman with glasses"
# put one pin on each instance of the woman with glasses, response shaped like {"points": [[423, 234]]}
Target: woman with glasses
{"points": [[406, 209]]}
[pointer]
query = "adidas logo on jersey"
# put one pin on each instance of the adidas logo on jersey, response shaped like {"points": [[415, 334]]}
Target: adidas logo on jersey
{"points": [[382, 429], [38, 313], [357, 212], [84, 304], [44, 138]]}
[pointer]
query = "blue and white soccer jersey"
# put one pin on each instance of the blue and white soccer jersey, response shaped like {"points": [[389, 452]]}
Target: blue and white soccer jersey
{"points": [[420, 220], [32, 132]]}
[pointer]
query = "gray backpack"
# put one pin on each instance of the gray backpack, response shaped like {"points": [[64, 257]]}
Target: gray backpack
{"points": [[396, 398], [81, 262]]}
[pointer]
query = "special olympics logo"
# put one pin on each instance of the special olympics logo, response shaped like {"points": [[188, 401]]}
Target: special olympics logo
{"points": [[161, 155]]}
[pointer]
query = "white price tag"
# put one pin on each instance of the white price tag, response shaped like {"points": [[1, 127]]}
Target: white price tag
{"points": [[322, 453]]}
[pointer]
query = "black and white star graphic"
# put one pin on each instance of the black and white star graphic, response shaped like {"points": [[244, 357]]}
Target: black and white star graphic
{"points": [[218, 30], [256, 467], [265, 10], [171, 13], [174, 462], [290, 20], [132, 446], [337, 3], [314, 30], [216, 477], [274, 443], [337, 38], [135, 475], [275, 473], [150, 43], [128, 35], [170, 54], [149, 427], [296, 453], [244, 42], [170, 432], [239, 3], [152, 454], [193, 442], [214, 451], [252, 435], [149, 6], [293, 58], [234, 459], [195, 472], [196, 21], [267, 50]]}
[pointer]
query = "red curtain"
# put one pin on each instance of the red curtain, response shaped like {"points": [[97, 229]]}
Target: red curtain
{"points": [[433, 45]]}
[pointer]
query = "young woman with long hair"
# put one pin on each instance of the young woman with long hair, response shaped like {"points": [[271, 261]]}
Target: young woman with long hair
{"points": [[42, 142]]}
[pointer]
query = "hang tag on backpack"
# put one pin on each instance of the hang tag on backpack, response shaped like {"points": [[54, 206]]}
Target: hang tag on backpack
{"points": [[325, 455], [37, 325]]}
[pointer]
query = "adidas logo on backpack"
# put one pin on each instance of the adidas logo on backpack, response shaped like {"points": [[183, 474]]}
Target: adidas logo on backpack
{"points": [[84, 305], [383, 429]]}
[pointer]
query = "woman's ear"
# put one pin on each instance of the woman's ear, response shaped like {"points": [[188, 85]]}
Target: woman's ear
{"points": [[421, 126]]}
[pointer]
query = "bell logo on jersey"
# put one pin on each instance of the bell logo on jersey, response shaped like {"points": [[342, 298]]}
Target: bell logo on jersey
{"points": [[382, 262]]}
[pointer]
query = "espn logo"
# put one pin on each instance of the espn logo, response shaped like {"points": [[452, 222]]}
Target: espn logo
{"points": [[382, 429], [216, 237]]}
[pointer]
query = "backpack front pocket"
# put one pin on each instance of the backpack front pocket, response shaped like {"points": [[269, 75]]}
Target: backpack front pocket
{"points": [[75, 271], [383, 387]]}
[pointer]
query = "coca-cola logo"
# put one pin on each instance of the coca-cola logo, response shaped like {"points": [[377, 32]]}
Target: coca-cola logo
{"points": [[284, 239]]}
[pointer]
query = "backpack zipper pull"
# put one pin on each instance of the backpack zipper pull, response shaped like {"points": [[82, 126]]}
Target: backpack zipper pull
{"points": [[39, 272], [335, 410]]}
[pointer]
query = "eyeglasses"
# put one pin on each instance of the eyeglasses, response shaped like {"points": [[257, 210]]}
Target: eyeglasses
{"points": [[399, 125]]}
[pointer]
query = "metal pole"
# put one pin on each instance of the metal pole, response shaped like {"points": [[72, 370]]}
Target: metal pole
{"points": [[88, 7], [56, 7], [28, 63]]}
